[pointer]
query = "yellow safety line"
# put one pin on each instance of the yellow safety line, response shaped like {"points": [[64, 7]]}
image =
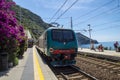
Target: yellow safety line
{"points": [[37, 70]]}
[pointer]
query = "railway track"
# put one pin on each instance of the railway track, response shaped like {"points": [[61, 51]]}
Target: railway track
{"points": [[69, 72], [72, 73], [102, 69]]}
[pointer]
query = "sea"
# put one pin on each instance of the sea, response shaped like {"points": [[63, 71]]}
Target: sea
{"points": [[107, 45]]}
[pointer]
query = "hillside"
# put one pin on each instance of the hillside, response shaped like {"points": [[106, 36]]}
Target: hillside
{"points": [[82, 39], [30, 21], [36, 25]]}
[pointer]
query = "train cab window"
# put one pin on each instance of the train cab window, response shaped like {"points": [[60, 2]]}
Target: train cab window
{"points": [[56, 35], [62, 35], [68, 35]]}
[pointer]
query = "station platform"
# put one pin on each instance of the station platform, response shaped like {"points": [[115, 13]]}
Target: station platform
{"points": [[31, 67], [107, 54]]}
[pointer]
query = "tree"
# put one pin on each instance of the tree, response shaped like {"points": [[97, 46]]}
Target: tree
{"points": [[11, 33]]}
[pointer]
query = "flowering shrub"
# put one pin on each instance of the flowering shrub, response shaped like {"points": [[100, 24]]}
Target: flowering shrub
{"points": [[11, 33]]}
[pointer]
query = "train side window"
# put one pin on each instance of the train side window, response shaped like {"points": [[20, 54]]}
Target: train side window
{"points": [[45, 37]]}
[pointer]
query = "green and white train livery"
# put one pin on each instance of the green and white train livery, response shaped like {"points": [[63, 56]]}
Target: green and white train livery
{"points": [[59, 45]]}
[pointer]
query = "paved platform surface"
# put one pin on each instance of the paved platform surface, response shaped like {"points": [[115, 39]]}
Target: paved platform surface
{"points": [[106, 54], [31, 67]]}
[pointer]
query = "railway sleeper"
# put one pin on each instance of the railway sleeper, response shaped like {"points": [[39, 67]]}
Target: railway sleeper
{"points": [[69, 72], [76, 77], [72, 77]]}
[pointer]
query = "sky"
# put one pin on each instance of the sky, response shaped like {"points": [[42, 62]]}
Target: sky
{"points": [[103, 16]]}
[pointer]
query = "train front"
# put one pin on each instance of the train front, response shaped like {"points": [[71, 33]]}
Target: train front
{"points": [[62, 47]]}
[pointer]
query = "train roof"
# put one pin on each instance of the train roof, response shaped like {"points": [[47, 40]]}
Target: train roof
{"points": [[57, 28], [51, 28]]}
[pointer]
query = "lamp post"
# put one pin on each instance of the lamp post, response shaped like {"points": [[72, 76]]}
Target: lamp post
{"points": [[89, 29]]}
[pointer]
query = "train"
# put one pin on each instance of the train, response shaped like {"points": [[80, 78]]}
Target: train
{"points": [[59, 45], [30, 42]]}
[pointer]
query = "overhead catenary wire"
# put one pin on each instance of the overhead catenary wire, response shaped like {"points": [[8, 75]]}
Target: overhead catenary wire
{"points": [[91, 11], [95, 16], [106, 28], [101, 29], [66, 10], [94, 9], [58, 10], [118, 3], [55, 18], [107, 23], [110, 22]]}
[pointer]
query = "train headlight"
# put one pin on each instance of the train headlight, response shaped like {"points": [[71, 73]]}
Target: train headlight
{"points": [[51, 50]]}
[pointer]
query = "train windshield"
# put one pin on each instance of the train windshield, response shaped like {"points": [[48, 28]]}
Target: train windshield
{"points": [[62, 35]]}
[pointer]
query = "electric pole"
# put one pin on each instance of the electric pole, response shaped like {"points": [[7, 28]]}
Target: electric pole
{"points": [[90, 34], [71, 23]]}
